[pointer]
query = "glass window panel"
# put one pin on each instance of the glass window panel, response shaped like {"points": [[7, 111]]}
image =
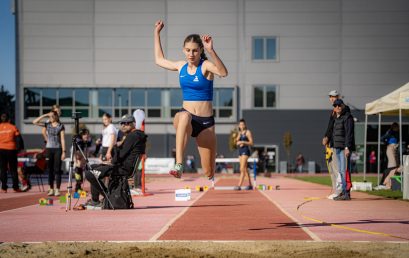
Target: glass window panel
{"points": [[65, 112], [65, 97], [32, 97], [154, 97], [176, 98], [225, 112], [174, 111], [258, 96], [105, 97], [121, 98], [49, 97], [31, 113], [225, 97], [101, 111], [258, 48], [121, 112], [271, 96], [154, 112], [138, 97], [81, 97], [84, 112], [271, 48]]}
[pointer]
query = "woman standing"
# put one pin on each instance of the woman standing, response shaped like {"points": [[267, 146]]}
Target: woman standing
{"points": [[195, 119], [244, 141], [55, 148], [109, 135], [391, 138]]}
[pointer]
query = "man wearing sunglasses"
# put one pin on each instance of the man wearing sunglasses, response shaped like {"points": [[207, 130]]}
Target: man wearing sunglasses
{"points": [[125, 153], [344, 143], [330, 151]]}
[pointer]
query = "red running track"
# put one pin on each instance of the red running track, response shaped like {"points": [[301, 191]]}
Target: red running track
{"points": [[234, 215]]}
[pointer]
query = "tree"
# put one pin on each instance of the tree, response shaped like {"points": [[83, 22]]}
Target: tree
{"points": [[7, 103], [232, 139], [288, 141]]}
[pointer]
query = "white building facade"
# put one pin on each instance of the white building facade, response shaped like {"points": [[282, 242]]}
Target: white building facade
{"points": [[96, 56]]}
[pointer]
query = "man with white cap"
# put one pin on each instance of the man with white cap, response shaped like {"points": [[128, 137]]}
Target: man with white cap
{"points": [[327, 141], [139, 116]]}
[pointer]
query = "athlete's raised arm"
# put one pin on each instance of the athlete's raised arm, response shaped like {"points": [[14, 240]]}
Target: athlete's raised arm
{"points": [[216, 66], [159, 56]]}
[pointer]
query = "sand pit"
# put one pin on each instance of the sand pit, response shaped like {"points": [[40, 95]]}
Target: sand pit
{"points": [[206, 249]]}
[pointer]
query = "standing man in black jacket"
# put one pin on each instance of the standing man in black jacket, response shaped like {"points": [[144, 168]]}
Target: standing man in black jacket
{"points": [[125, 152], [330, 151], [343, 140]]}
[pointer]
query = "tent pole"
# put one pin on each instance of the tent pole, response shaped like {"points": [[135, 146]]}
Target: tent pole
{"points": [[379, 146], [365, 136], [400, 146]]}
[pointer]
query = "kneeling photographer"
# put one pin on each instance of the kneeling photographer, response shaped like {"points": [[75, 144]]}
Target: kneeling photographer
{"points": [[125, 152]]}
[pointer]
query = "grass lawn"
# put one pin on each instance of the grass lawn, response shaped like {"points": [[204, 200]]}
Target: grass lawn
{"points": [[326, 180]]}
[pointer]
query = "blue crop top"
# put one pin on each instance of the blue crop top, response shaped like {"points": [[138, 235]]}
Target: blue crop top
{"points": [[195, 87]]}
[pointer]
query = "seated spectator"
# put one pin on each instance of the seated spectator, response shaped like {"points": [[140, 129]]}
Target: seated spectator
{"points": [[125, 154], [300, 162], [84, 142]]}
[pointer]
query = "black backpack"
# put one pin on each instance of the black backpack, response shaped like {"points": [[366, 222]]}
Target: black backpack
{"points": [[118, 193]]}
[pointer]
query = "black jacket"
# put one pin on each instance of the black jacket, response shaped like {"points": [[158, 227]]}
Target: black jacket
{"points": [[125, 155], [330, 126], [343, 134]]}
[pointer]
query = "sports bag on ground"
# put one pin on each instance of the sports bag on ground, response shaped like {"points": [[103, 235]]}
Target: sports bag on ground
{"points": [[118, 193]]}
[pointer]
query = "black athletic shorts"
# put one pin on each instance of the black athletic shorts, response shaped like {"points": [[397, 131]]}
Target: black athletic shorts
{"points": [[199, 123]]}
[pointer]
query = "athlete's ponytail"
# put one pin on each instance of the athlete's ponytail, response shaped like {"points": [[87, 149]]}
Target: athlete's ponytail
{"points": [[195, 38]]}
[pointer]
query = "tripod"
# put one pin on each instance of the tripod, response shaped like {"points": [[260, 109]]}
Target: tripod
{"points": [[74, 148]]}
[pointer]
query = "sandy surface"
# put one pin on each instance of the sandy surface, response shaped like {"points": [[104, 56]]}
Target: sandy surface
{"points": [[207, 249]]}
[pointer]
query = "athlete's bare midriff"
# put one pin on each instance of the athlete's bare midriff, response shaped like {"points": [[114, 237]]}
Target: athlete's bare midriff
{"points": [[199, 108]]}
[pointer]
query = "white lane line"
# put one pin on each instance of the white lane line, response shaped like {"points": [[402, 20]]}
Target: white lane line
{"points": [[167, 226], [311, 234]]}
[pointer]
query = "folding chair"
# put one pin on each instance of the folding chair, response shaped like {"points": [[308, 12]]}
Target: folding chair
{"points": [[134, 174], [34, 166]]}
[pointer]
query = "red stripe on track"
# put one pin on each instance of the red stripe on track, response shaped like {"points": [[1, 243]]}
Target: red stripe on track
{"points": [[234, 215], [20, 201]]}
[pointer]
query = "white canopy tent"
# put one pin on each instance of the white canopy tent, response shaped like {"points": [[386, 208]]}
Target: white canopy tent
{"points": [[395, 103]]}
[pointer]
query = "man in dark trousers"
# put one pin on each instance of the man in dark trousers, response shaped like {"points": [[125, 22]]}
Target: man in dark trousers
{"points": [[344, 144], [126, 152], [10, 139], [327, 142]]}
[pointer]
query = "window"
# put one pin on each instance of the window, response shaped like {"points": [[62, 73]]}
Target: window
{"points": [[82, 103], [65, 101], [121, 100], [223, 102], [264, 48], [265, 96], [104, 102], [32, 102], [160, 104], [154, 103], [176, 100]]}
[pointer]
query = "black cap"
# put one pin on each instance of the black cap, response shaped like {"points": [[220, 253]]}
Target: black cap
{"points": [[338, 102]]}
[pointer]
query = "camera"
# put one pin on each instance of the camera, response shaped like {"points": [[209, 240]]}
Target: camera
{"points": [[76, 115]]}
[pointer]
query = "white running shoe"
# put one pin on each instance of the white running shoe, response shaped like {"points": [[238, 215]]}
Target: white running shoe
{"points": [[50, 192], [57, 192], [380, 187], [332, 196]]}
